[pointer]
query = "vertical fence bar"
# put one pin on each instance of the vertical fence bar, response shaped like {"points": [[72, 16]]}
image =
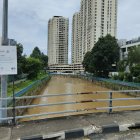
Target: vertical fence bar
{"points": [[110, 102]]}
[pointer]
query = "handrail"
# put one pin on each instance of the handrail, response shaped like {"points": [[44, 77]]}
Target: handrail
{"points": [[69, 111], [109, 99], [24, 90], [71, 94], [71, 102]]}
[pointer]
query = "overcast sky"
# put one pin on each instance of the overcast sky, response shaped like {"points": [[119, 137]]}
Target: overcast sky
{"points": [[28, 20]]}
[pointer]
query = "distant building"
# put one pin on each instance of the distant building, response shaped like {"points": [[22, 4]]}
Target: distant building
{"points": [[125, 47], [122, 42], [97, 18], [11, 42], [58, 40], [71, 68]]}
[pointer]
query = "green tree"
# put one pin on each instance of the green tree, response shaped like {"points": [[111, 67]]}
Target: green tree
{"points": [[41, 56], [86, 61], [44, 60], [135, 70], [32, 67], [103, 56], [134, 56], [36, 53], [19, 51], [20, 58], [122, 65]]}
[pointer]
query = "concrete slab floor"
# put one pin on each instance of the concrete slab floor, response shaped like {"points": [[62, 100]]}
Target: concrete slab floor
{"points": [[49, 126]]}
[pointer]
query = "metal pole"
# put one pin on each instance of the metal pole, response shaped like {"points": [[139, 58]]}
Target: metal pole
{"points": [[5, 23], [14, 103], [110, 102], [3, 113]]}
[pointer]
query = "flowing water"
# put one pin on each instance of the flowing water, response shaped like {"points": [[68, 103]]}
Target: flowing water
{"points": [[59, 84]]}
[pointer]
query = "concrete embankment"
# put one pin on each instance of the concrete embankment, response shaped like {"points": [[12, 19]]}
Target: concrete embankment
{"points": [[34, 89], [110, 84]]}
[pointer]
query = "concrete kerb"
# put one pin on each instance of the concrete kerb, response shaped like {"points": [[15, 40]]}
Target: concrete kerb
{"points": [[77, 133]]}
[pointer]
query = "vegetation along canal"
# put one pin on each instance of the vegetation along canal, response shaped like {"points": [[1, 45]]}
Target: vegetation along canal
{"points": [[59, 84]]}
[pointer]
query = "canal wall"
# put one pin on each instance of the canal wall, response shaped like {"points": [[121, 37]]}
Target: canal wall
{"points": [[33, 89], [113, 84], [109, 83]]}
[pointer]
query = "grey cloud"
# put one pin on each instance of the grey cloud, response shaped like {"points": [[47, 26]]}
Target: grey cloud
{"points": [[128, 19], [28, 19]]}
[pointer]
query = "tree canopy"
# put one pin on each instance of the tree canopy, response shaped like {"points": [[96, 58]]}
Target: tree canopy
{"points": [[102, 58], [36, 53], [20, 58], [134, 56], [32, 67]]}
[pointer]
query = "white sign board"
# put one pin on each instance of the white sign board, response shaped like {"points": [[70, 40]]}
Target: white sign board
{"points": [[8, 60]]}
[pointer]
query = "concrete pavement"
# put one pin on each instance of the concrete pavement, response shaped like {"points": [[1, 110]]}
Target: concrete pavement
{"points": [[52, 126]]}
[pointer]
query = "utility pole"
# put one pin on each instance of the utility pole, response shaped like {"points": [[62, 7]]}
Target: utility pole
{"points": [[3, 103]]}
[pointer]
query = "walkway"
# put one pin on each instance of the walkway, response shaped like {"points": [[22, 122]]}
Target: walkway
{"points": [[50, 126]]}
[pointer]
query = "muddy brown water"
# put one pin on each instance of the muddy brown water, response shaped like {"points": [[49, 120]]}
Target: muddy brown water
{"points": [[59, 84]]}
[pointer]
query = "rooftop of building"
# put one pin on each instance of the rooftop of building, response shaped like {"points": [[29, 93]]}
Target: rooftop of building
{"points": [[135, 40], [124, 42]]}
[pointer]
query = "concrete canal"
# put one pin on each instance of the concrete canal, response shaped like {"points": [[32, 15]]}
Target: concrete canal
{"points": [[59, 84]]}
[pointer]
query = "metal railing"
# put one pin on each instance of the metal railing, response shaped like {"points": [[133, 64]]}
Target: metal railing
{"points": [[109, 80], [28, 88], [23, 91], [109, 100]]}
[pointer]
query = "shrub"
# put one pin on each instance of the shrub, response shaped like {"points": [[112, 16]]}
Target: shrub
{"points": [[135, 70], [128, 77], [115, 77], [121, 76], [137, 79]]}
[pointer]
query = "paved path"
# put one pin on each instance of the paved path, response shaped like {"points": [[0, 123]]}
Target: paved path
{"points": [[49, 126]]}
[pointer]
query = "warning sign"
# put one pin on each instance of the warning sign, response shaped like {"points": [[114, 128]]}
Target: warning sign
{"points": [[8, 60]]}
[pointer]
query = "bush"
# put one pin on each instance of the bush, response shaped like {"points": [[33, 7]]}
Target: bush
{"points": [[128, 77], [32, 67], [137, 79], [121, 76], [122, 65], [135, 70], [115, 77]]}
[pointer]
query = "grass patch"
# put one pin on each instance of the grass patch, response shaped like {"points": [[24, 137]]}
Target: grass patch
{"points": [[21, 85], [18, 86]]}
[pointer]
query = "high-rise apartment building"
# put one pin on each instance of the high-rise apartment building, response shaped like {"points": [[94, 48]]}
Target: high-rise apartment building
{"points": [[76, 48], [58, 40], [97, 18]]}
